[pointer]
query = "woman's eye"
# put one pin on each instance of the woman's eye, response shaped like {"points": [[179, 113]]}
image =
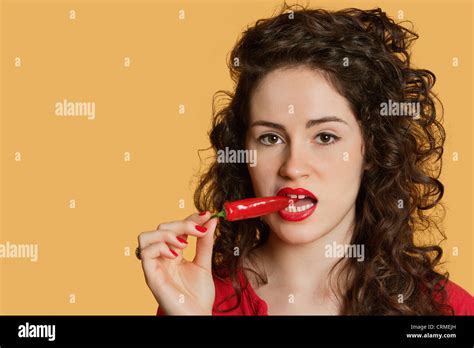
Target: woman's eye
{"points": [[326, 138], [270, 139]]}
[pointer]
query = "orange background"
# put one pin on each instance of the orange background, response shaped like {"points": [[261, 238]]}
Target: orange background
{"points": [[83, 251]]}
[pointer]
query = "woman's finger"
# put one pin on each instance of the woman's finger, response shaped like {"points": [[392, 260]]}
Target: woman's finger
{"points": [[147, 238], [154, 274], [176, 228], [203, 257], [187, 226], [157, 250]]}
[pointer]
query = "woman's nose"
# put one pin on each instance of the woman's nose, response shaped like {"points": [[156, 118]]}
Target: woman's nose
{"points": [[295, 164]]}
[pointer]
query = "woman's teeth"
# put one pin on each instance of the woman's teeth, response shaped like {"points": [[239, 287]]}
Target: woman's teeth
{"points": [[294, 209], [297, 196]]}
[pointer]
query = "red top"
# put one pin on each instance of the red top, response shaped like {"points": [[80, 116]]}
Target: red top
{"points": [[459, 299]]}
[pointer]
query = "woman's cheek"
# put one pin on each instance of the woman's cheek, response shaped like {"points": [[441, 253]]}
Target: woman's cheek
{"points": [[346, 180], [257, 175], [340, 176]]}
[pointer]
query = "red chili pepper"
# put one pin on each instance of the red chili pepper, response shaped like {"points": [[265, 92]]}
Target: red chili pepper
{"points": [[253, 207]]}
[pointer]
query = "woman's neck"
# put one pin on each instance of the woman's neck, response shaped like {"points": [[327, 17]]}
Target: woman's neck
{"points": [[304, 267]]}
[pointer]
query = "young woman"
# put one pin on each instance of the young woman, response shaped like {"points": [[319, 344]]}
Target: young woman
{"points": [[342, 122]]}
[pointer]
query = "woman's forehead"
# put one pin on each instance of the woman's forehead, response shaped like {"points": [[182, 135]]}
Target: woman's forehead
{"points": [[298, 93]]}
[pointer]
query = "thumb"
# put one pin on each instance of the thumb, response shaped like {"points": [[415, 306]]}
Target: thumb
{"points": [[204, 245]]}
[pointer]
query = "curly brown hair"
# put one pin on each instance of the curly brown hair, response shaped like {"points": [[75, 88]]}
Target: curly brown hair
{"points": [[404, 154]]}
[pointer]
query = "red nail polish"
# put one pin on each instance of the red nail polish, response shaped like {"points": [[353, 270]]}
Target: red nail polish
{"points": [[174, 252], [182, 240], [202, 213], [201, 228]]}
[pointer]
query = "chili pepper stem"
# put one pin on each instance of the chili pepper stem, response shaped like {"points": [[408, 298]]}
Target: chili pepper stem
{"points": [[220, 214]]}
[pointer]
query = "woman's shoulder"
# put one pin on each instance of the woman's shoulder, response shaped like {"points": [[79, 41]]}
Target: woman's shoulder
{"points": [[459, 299]]}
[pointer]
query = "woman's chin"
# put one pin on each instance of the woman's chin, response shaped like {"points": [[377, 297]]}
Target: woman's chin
{"points": [[298, 234]]}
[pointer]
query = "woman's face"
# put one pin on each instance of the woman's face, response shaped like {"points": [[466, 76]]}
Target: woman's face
{"points": [[305, 136]]}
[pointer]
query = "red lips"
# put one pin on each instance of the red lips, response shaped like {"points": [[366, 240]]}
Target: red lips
{"points": [[301, 215], [296, 191]]}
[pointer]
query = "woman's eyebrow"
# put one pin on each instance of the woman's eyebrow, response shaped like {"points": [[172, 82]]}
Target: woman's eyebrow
{"points": [[268, 124], [312, 123], [309, 124]]}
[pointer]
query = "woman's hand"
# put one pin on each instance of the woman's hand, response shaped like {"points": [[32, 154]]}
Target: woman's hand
{"points": [[180, 287]]}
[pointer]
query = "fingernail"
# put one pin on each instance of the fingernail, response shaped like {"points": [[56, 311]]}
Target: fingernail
{"points": [[174, 252], [181, 240], [201, 228], [202, 213]]}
